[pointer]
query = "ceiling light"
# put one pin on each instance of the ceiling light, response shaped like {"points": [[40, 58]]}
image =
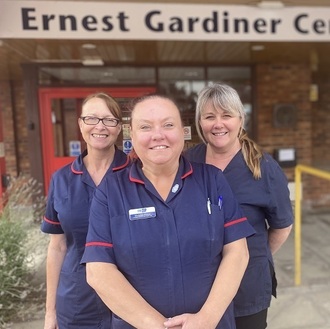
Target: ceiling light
{"points": [[258, 47], [270, 4], [88, 46], [93, 62]]}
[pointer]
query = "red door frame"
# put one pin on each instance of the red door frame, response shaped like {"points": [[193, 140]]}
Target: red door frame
{"points": [[50, 162]]}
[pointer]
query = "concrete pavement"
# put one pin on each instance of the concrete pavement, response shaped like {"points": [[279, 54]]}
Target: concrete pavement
{"points": [[297, 307], [306, 306]]}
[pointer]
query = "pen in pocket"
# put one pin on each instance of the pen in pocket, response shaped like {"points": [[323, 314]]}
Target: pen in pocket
{"points": [[208, 205], [220, 202]]}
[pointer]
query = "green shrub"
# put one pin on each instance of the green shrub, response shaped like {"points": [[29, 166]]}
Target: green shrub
{"points": [[22, 209]]}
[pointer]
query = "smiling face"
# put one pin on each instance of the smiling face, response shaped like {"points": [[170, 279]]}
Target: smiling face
{"points": [[157, 132], [220, 128], [98, 136]]}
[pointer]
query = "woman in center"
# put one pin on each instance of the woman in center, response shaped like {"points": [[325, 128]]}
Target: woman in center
{"points": [[166, 246]]}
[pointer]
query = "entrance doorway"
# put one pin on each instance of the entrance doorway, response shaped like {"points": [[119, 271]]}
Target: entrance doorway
{"points": [[59, 111]]}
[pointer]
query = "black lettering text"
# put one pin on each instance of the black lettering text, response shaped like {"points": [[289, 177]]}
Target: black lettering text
{"points": [[274, 24], [191, 23], [297, 24], [71, 19], [157, 28], [238, 22], [26, 18], [225, 22], [319, 26], [211, 24], [45, 21], [176, 25], [87, 21], [107, 23], [259, 25], [121, 16]]}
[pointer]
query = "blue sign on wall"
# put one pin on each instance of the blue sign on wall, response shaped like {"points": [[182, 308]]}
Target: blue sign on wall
{"points": [[75, 148], [127, 146]]}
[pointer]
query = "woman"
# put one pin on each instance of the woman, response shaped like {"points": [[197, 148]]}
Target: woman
{"points": [[260, 187], [159, 246], [70, 301]]}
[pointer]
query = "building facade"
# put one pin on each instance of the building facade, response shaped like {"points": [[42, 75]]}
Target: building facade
{"points": [[274, 53]]}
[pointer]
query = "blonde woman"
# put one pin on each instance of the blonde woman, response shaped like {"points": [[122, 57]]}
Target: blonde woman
{"points": [[261, 188]]}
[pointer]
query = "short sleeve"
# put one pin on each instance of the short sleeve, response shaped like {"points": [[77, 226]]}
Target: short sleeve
{"points": [[279, 211], [50, 223], [99, 247]]}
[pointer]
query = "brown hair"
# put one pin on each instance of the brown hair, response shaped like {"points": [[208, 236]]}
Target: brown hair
{"points": [[138, 100], [111, 103], [132, 104]]}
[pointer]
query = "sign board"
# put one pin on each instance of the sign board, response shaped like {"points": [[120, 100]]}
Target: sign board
{"points": [[187, 133], [126, 131], [286, 157], [74, 148], [93, 20], [127, 146]]}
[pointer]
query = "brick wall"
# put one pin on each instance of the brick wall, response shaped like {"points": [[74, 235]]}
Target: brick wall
{"points": [[290, 84], [14, 127], [21, 128], [317, 190], [284, 84], [8, 128], [321, 125]]}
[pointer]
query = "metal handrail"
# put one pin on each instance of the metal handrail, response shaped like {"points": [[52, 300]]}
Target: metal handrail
{"points": [[299, 169]]}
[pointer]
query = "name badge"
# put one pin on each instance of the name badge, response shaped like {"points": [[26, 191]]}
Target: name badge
{"points": [[142, 213]]}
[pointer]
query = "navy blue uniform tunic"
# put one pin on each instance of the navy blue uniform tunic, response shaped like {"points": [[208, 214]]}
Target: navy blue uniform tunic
{"points": [[266, 203], [70, 195], [168, 250]]}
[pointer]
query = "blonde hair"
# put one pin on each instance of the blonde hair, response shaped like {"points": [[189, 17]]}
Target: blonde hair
{"points": [[224, 97]]}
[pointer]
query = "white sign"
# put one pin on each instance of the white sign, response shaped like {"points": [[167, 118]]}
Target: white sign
{"points": [[187, 133], [126, 131], [286, 155], [161, 21]]}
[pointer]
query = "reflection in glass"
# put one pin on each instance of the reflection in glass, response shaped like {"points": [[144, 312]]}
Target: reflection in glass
{"points": [[65, 126], [181, 83], [65, 114], [97, 75]]}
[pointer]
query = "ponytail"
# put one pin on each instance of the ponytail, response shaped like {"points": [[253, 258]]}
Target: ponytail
{"points": [[251, 152]]}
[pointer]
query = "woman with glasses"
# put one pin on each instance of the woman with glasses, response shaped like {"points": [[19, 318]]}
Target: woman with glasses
{"points": [[70, 301]]}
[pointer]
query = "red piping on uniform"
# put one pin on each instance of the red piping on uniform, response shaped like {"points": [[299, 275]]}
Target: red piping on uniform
{"points": [[99, 244], [135, 180], [236, 221], [188, 172], [122, 166], [51, 221], [75, 171]]}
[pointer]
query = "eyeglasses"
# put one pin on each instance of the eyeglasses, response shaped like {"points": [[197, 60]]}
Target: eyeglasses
{"points": [[93, 121]]}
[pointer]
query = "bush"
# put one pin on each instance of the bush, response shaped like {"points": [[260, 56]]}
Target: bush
{"points": [[22, 208]]}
